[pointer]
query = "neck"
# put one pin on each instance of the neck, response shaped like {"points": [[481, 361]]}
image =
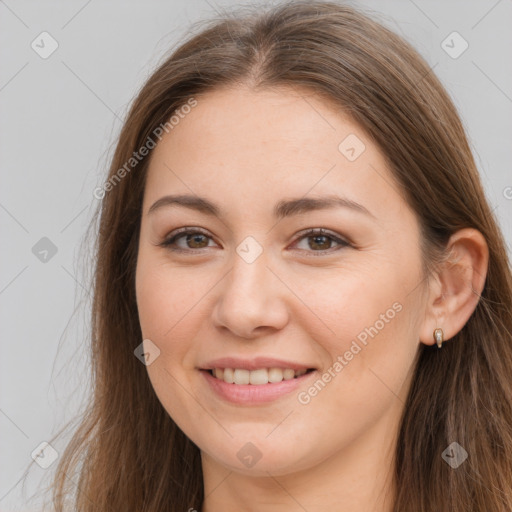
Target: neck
{"points": [[355, 478]]}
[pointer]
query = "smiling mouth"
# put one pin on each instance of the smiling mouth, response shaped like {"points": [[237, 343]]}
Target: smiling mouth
{"points": [[257, 377]]}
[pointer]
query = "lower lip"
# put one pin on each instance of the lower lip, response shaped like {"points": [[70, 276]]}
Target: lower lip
{"points": [[252, 393]]}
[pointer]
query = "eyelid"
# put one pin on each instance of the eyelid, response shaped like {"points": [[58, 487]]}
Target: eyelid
{"points": [[308, 232], [342, 242], [169, 239], [322, 231]]}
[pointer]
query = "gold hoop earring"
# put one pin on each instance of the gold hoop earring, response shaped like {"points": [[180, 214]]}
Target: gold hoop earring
{"points": [[438, 337]]}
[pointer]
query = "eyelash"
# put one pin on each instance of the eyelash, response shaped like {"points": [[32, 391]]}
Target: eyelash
{"points": [[308, 233]]}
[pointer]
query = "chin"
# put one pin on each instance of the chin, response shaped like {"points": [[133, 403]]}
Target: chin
{"points": [[260, 459]]}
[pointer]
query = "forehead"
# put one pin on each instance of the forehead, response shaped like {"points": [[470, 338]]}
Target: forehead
{"points": [[252, 147]]}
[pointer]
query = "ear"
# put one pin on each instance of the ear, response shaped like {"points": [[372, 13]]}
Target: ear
{"points": [[454, 291]]}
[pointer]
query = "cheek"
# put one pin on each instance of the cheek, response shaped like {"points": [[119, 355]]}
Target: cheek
{"points": [[367, 378], [367, 329], [343, 302], [166, 316], [171, 302], [165, 297], [153, 299]]}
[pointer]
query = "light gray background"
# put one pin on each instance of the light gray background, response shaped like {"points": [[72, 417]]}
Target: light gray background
{"points": [[59, 119]]}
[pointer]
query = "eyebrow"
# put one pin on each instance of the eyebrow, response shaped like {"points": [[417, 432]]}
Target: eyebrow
{"points": [[284, 208]]}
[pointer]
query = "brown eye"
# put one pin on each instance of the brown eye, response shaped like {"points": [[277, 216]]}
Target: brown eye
{"points": [[196, 241], [319, 240], [193, 239]]}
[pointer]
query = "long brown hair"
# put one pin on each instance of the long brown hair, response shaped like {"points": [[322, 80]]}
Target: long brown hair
{"points": [[128, 454]]}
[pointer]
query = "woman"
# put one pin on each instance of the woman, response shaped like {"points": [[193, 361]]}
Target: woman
{"points": [[302, 298]]}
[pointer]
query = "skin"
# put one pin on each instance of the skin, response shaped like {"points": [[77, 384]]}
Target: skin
{"points": [[245, 151]]}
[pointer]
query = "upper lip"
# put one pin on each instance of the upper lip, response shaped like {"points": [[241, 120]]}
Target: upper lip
{"points": [[253, 364]]}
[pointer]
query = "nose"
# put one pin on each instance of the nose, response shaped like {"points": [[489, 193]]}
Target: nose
{"points": [[252, 300]]}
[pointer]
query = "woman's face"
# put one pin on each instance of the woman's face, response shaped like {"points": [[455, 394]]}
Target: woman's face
{"points": [[250, 284]]}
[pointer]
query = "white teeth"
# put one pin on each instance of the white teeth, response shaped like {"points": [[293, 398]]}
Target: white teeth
{"points": [[288, 374], [256, 377], [275, 375], [241, 376], [229, 376]]}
